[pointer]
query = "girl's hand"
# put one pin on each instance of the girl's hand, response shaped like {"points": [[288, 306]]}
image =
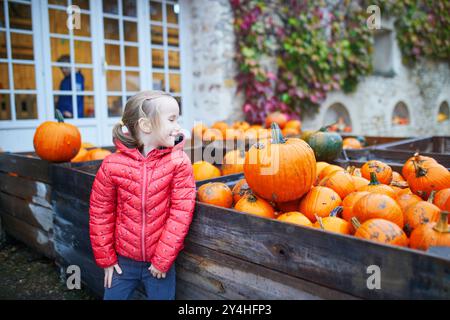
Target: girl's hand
{"points": [[109, 273], [156, 273]]}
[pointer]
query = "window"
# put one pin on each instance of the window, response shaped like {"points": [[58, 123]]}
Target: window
{"points": [[400, 116], [444, 112], [337, 115]]}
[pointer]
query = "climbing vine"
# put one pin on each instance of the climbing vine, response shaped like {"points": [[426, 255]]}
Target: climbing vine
{"points": [[291, 53]]}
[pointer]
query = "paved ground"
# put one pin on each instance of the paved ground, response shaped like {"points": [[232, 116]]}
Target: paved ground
{"points": [[27, 275]]}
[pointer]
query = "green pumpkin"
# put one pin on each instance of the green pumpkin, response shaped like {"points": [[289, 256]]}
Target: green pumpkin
{"points": [[306, 134], [327, 146]]}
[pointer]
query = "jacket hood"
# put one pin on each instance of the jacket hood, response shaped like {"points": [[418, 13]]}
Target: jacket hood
{"points": [[155, 153]]}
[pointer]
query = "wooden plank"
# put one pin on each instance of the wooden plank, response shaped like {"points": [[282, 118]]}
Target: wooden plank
{"points": [[33, 237], [25, 166], [233, 278], [331, 260], [30, 190], [30, 213]]}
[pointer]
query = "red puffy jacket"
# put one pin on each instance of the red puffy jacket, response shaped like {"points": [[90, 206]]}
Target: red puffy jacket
{"points": [[141, 207]]}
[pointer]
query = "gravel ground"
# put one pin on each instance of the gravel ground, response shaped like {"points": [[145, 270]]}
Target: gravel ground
{"points": [[25, 275]]}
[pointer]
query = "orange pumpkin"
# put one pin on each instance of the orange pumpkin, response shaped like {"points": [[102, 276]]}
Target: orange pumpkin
{"points": [[435, 177], [233, 162], [406, 200], [397, 177], [57, 141], [442, 199], [87, 145], [351, 143], [295, 217], [212, 135], [216, 193], [340, 181], [81, 156], [290, 132], [252, 204], [420, 213], [360, 182], [220, 125], [375, 187], [431, 234], [328, 170], [204, 170], [233, 134], [380, 230], [409, 168], [288, 206], [349, 202], [378, 206], [294, 124], [239, 190], [281, 169], [320, 201], [382, 171], [97, 154], [241, 125], [333, 223], [276, 117], [403, 192]]}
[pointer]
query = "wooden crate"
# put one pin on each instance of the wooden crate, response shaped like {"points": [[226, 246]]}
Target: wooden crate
{"points": [[433, 146]]}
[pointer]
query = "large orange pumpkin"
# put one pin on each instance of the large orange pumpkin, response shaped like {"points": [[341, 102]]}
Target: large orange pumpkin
{"points": [[295, 217], [57, 141], [409, 168], [276, 117], [381, 169], [431, 234], [442, 199], [281, 169], [288, 206], [239, 190], [320, 201], [97, 154], [328, 170], [375, 187], [253, 204], [333, 223], [360, 182], [406, 200], [380, 230], [340, 181], [204, 170], [435, 177], [349, 202], [216, 193], [233, 162], [420, 213], [378, 206]]}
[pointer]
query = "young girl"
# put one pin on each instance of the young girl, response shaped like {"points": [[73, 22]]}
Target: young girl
{"points": [[142, 200]]}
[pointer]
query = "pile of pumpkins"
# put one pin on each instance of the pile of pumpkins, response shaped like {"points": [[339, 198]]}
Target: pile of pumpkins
{"points": [[283, 181], [58, 141]]}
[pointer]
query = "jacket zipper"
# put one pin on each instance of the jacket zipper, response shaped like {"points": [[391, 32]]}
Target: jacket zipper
{"points": [[143, 211]]}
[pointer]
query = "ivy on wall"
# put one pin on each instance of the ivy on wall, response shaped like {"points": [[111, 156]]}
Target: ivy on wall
{"points": [[320, 46]]}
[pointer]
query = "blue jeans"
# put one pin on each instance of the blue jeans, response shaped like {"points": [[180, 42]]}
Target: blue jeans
{"points": [[133, 272]]}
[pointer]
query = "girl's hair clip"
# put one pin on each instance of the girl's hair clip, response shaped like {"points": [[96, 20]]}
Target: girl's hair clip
{"points": [[123, 126]]}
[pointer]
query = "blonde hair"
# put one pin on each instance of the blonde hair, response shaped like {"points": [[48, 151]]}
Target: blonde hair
{"points": [[141, 105]]}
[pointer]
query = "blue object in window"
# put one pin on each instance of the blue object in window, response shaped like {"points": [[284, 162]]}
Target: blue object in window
{"points": [[65, 102]]}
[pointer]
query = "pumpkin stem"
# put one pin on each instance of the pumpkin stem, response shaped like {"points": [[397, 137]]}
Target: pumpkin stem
{"points": [[431, 197], [59, 116], [336, 211], [420, 171], [320, 221], [373, 179], [251, 197], [355, 222], [351, 169], [325, 128], [277, 136], [442, 224]]}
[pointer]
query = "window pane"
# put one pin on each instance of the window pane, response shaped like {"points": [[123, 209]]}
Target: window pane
{"points": [[173, 35], [172, 13], [132, 81], [156, 34], [4, 79], [24, 76], [129, 8], [85, 76], [20, 16], [113, 81], [26, 107], [174, 60], [3, 53], [83, 53], [58, 19], [2, 15], [22, 46], [111, 28], [112, 53], [5, 107], [155, 11], [60, 49], [110, 6], [83, 4], [58, 2], [131, 56], [86, 104], [175, 83], [130, 31], [64, 104], [114, 106], [158, 81], [85, 26], [157, 58]]}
